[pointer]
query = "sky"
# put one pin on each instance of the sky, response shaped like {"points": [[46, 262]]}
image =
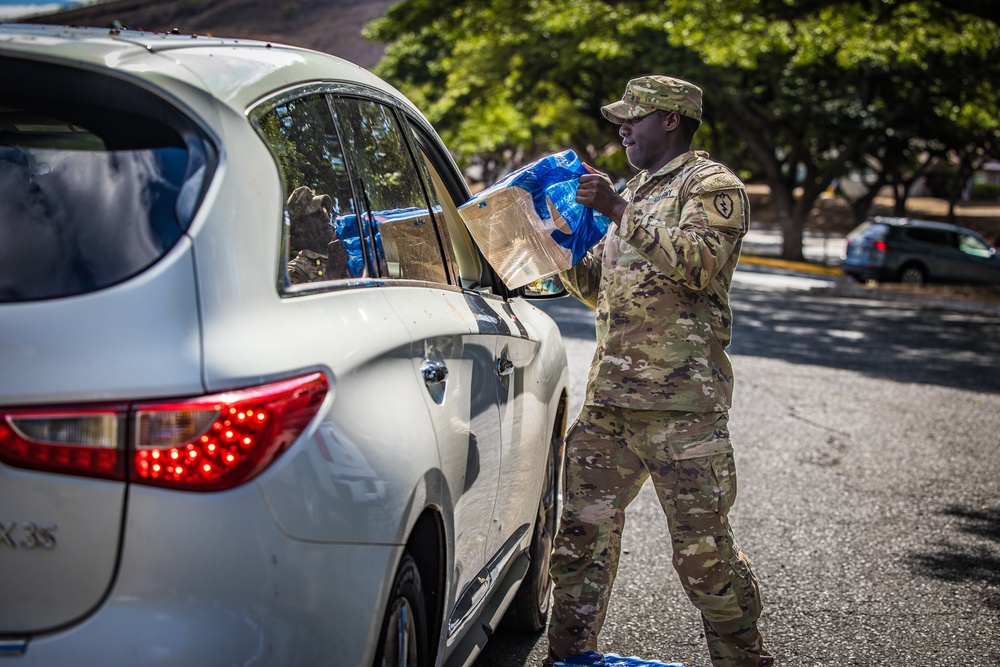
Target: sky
{"points": [[12, 9]]}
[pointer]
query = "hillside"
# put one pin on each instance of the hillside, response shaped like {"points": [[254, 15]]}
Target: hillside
{"points": [[332, 26]]}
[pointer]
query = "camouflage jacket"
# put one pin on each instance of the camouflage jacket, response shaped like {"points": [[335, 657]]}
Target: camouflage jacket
{"points": [[659, 282]]}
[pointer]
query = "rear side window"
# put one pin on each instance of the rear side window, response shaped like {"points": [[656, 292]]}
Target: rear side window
{"points": [[321, 236], [92, 194], [357, 203], [937, 237]]}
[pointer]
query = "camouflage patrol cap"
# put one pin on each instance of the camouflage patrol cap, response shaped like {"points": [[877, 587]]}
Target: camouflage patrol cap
{"points": [[646, 94], [304, 201]]}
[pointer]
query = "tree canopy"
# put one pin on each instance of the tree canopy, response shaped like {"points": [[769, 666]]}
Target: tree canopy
{"points": [[798, 93]]}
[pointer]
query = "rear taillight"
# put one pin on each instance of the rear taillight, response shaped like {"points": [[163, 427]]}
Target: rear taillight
{"points": [[205, 443], [214, 442], [880, 246], [77, 442]]}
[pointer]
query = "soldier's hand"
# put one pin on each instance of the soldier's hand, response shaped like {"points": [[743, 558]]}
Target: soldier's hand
{"points": [[596, 191]]}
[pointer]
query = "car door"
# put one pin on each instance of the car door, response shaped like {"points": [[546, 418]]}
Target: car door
{"points": [[979, 261], [935, 248], [523, 438], [453, 334], [523, 431]]}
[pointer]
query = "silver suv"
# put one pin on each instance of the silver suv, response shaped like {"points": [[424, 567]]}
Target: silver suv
{"points": [[262, 401]]}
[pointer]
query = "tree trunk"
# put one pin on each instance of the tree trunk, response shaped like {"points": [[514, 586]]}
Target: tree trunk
{"points": [[791, 238], [957, 185], [791, 223], [899, 198], [862, 205]]}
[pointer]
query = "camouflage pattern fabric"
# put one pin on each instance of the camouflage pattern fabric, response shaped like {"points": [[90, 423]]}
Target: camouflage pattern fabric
{"points": [[318, 254], [306, 267], [656, 406], [659, 282], [647, 94], [610, 453], [310, 266]]}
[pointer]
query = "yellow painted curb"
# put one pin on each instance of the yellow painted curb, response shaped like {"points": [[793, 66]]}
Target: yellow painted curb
{"points": [[776, 263]]}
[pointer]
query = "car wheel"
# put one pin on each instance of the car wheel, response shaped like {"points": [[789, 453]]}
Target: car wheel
{"points": [[912, 274], [403, 640], [530, 608]]}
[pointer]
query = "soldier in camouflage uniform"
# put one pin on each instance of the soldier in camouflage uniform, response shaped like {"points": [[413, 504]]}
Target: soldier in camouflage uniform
{"points": [[317, 254], [661, 383]]}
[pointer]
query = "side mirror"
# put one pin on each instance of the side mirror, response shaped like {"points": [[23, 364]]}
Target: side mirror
{"points": [[546, 288]]}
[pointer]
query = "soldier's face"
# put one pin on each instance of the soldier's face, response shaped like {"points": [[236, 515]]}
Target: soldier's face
{"points": [[645, 140]]}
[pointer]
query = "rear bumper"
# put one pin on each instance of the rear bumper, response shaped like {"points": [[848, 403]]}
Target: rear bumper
{"points": [[216, 583]]}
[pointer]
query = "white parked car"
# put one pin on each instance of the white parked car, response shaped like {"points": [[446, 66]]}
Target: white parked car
{"points": [[262, 401]]}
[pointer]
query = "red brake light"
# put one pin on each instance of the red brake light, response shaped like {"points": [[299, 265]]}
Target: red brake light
{"points": [[217, 442], [206, 443], [880, 246]]}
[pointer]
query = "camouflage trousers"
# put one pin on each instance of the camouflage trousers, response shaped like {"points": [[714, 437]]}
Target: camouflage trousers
{"points": [[610, 452]]}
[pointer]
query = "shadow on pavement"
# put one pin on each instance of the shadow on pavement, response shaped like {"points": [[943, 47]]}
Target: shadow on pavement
{"points": [[976, 561], [899, 342], [575, 320], [509, 649], [904, 343]]}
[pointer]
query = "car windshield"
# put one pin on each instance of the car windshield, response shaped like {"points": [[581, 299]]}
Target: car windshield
{"points": [[91, 196]]}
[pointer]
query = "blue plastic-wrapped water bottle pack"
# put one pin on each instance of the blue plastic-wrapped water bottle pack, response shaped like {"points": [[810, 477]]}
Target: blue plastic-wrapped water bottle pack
{"points": [[529, 225], [595, 659]]}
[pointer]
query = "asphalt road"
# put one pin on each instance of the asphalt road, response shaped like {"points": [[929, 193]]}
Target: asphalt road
{"points": [[868, 448]]}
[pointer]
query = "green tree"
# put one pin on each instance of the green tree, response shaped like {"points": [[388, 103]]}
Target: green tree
{"points": [[509, 80], [890, 80], [807, 88]]}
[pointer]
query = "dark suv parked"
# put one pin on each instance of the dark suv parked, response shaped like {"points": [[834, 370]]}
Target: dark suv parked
{"points": [[919, 251]]}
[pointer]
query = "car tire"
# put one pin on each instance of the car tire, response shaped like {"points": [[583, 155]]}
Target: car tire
{"points": [[529, 610], [403, 639], [913, 274]]}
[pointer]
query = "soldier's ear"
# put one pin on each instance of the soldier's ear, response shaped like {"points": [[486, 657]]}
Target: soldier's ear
{"points": [[670, 120]]}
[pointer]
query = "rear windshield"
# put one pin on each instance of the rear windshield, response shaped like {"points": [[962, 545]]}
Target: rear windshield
{"points": [[92, 193], [869, 230]]}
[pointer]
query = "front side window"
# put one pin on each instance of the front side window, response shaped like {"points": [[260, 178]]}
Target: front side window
{"points": [[443, 207], [92, 194], [970, 245], [404, 237]]}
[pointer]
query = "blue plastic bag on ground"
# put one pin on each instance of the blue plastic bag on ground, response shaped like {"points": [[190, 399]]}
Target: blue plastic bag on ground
{"points": [[528, 224], [595, 659]]}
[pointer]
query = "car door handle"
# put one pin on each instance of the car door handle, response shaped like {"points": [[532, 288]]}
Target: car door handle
{"points": [[434, 372], [504, 366]]}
